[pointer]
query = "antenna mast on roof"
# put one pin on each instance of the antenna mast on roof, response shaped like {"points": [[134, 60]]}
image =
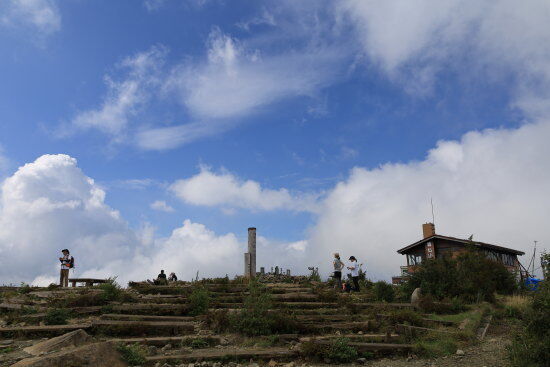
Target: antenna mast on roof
{"points": [[532, 262]]}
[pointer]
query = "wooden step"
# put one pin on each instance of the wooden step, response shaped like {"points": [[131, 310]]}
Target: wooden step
{"points": [[155, 309], [161, 341], [228, 355], [373, 347], [327, 318], [142, 328], [354, 337], [339, 326], [48, 330]]}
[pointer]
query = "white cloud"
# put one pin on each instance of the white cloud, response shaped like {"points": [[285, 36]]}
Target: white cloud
{"points": [[493, 184], [218, 91], [42, 16], [127, 97], [153, 5], [164, 138], [413, 41], [237, 80], [50, 204], [266, 18], [161, 205], [228, 191]]}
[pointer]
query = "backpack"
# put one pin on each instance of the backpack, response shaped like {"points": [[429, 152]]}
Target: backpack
{"points": [[71, 263]]}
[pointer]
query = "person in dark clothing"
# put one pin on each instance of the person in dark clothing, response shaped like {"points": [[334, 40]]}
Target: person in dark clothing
{"points": [[161, 278], [354, 267]]}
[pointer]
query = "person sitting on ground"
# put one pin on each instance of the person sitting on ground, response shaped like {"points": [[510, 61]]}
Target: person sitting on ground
{"points": [[354, 267], [172, 277], [338, 266], [67, 262], [161, 278]]}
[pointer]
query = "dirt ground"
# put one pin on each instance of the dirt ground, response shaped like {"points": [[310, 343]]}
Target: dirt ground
{"points": [[491, 352]]}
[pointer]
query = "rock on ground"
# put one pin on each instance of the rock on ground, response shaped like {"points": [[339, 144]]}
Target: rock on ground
{"points": [[91, 355], [68, 340]]}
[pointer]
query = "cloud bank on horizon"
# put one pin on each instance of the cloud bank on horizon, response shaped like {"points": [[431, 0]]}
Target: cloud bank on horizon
{"points": [[492, 183]]}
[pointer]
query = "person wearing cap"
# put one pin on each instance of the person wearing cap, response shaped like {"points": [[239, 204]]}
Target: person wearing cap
{"points": [[67, 262], [338, 266], [354, 267]]}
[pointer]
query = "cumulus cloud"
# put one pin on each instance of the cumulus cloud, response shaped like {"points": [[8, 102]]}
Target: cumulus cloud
{"points": [[492, 183], [41, 16], [126, 97], [161, 205], [50, 204], [208, 188]]}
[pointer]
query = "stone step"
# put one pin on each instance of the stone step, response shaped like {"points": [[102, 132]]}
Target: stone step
{"points": [[142, 328], [226, 354], [126, 317]]}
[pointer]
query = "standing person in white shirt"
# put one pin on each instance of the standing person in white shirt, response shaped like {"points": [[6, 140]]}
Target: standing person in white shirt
{"points": [[354, 267], [338, 266], [67, 262]]}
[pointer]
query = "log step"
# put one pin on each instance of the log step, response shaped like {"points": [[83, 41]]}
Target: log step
{"points": [[50, 330], [160, 341], [373, 347], [127, 317], [142, 328]]}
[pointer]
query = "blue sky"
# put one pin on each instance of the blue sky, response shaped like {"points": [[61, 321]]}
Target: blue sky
{"points": [[290, 96]]}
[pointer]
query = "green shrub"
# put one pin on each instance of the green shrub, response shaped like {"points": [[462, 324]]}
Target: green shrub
{"points": [[530, 346], [341, 352], [338, 351], [133, 354], [111, 291], [255, 318], [409, 317], [57, 316], [7, 350], [199, 343], [199, 301], [24, 289], [383, 292], [471, 277]]}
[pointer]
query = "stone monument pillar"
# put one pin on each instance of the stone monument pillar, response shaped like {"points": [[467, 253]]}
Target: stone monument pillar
{"points": [[250, 256]]}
